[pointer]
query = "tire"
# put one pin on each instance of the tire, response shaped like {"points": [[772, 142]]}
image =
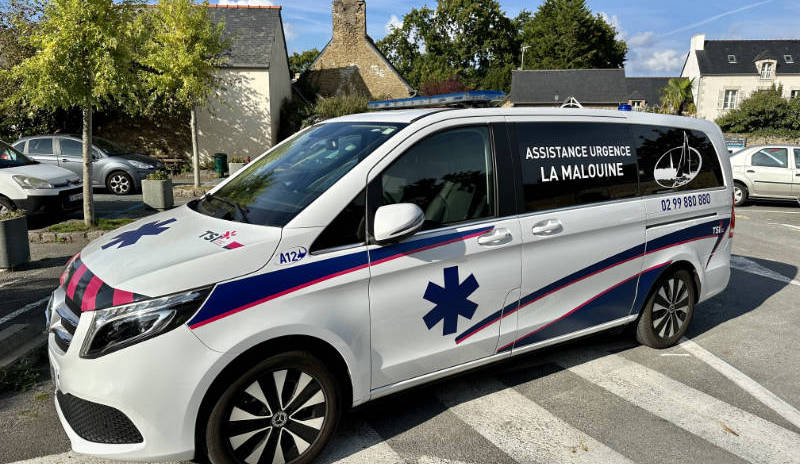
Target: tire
{"points": [[297, 433], [119, 183], [6, 205], [740, 194], [668, 311]]}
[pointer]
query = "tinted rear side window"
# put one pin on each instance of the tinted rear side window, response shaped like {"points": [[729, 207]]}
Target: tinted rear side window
{"points": [[673, 159], [40, 146], [571, 164]]}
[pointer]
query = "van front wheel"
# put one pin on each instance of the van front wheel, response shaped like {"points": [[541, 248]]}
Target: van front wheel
{"points": [[668, 311], [284, 409]]}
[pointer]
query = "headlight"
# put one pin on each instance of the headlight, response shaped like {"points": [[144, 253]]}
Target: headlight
{"points": [[116, 328], [27, 182], [140, 165]]}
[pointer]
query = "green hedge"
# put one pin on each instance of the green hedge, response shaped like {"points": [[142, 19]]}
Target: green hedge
{"points": [[766, 112]]}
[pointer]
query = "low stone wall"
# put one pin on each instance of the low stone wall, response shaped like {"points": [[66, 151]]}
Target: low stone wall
{"points": [[753, 140], [65, 237]]}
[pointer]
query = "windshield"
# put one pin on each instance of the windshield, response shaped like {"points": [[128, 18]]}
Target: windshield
{"points": [[109, 147], [272, 190], [11, 158]]}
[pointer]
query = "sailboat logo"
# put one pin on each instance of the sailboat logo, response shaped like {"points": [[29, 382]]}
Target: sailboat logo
{"points": [[678, 166]]}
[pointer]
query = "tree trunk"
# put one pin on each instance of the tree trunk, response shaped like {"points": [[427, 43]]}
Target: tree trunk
{"points": [[195, 151], [88, 199]]}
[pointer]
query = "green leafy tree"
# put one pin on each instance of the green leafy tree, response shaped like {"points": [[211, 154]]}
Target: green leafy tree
{"points": [[677, 95], [83, 58], [299, 62], [181, 52], [764, 111], [471, 39], [563, 34]]}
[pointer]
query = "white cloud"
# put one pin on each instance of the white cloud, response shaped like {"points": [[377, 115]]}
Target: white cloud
{"points": [[394, 23], [644, 40], [288, 31], [245, 3], [668, 61], [613, 20]]}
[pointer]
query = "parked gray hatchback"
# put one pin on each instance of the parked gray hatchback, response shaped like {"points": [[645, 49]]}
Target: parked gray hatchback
{"points": [[114, 167]]}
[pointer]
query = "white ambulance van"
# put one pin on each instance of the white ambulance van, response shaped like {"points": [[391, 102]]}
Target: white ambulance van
{"points": [[374, 252]]}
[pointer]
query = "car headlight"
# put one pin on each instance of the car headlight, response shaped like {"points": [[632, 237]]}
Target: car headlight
{"points": [[140, 165], [28, 182], [119, 327]]}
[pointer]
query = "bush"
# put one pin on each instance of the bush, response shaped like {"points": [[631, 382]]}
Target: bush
{"points": [[334, 107], [766, 111], [158, 175], [296, 114], [238, 159]]}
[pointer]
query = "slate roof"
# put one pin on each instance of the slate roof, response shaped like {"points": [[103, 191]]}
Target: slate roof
{"points": [[588, 86], [714, 58], [646, 88], [252, 32]]}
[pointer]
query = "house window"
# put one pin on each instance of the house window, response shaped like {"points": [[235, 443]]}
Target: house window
{"points": [[637, 104], [795, 93], [732, 59], [788, 59], [731, 99], [766, 70]]}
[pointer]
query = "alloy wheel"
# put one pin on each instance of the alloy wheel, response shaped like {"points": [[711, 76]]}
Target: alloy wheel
{"points": [[670, 307], [737, 194], [119, 184], [276, 418]]}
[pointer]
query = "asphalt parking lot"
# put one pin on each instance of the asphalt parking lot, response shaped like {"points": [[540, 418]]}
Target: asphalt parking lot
{"points": [[729, 393]]}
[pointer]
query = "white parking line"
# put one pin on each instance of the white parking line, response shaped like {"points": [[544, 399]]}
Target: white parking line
{"points": [[536, 435], [728, 427], [785, 225], [23, 310], [786, 410], [743, 264], [772, 211], [10, 282]]}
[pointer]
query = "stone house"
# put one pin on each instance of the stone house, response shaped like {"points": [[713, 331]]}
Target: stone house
{"points": [[242, 118], [725, 72], [351, 63]]}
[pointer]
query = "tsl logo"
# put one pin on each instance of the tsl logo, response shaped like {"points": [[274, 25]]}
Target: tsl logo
{"points": [[223, 240], [293, 255]]}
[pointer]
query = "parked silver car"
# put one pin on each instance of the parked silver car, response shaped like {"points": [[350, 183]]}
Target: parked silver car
{"points": [[114, 167], [766, 171]]}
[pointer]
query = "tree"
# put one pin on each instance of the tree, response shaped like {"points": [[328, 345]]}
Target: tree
{"points": [[563, 34], [181, 54], [470, 39], [765, 111], [677, 95], [83, 58], [299, 62]]}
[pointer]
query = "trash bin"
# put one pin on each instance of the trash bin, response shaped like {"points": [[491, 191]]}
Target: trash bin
{"points": [[220, 164]]}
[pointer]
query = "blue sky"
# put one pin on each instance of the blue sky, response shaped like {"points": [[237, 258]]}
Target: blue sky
{"points": [[657, 32]]}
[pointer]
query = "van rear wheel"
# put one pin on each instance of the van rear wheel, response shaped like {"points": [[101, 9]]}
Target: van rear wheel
{"points": [[284, 409], [668, 311]]}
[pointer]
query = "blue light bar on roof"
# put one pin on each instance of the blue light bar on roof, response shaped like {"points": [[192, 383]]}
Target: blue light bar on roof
{"points": [[474, 97]]}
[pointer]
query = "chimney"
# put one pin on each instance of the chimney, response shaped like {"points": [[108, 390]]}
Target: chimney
{"points": [[698, 42], [349, 21]]}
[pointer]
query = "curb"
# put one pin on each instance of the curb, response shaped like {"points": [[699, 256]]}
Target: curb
{"points": [[65, 237]]}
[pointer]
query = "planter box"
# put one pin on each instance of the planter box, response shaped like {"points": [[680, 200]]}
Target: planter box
{"points": [[157, 194], [14, 248], [233, 167]]}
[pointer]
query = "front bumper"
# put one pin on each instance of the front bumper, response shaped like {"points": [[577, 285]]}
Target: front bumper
{"points": [[156, 385], [38, 204]]}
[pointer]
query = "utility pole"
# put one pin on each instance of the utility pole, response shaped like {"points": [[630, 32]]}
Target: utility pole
{"points": [[524, 47]]}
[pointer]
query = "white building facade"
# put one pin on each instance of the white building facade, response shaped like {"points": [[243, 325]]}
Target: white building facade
{"points": [[726, 72]]}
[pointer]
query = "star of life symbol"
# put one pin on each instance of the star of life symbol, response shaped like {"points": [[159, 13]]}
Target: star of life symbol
{"points": [[132, 236], [451, 301]]}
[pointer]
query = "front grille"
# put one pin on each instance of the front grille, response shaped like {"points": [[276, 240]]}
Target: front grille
{"points": [[97, 423], [64, 329]]}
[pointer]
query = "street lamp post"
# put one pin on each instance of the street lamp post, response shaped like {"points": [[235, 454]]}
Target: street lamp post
{"points": [[524, 47]]}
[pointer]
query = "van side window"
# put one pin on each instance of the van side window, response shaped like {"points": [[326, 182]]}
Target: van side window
{"points": [[449, 175], [797, 158], [771, 158], [347, 228], [673, 159], [570, 164]]}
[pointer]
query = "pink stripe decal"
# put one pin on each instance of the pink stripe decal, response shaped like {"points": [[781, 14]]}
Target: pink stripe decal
{"points": [[122, 297], [90, 295], [76, 277], [584, 304], [435, 245], [233, 245]]}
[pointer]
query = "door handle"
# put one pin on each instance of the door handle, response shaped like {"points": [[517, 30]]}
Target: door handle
{"points": [[547, 228], [495, 237], [66, 160], [750, 171]]}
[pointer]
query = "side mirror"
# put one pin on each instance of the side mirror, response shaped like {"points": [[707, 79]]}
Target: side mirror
{"points": [[396, 222]]}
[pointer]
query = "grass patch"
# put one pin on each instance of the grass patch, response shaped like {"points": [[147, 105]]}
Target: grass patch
{"points": [[79, 226], [20, 376]]}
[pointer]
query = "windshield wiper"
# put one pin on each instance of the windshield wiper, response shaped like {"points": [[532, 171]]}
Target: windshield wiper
{"points": [[242, 210]]}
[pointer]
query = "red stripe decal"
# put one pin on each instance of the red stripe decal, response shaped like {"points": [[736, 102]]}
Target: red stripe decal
{"points": [[90, 295], [122, 297], [435, 245], [233, 245], [76, 277]]}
